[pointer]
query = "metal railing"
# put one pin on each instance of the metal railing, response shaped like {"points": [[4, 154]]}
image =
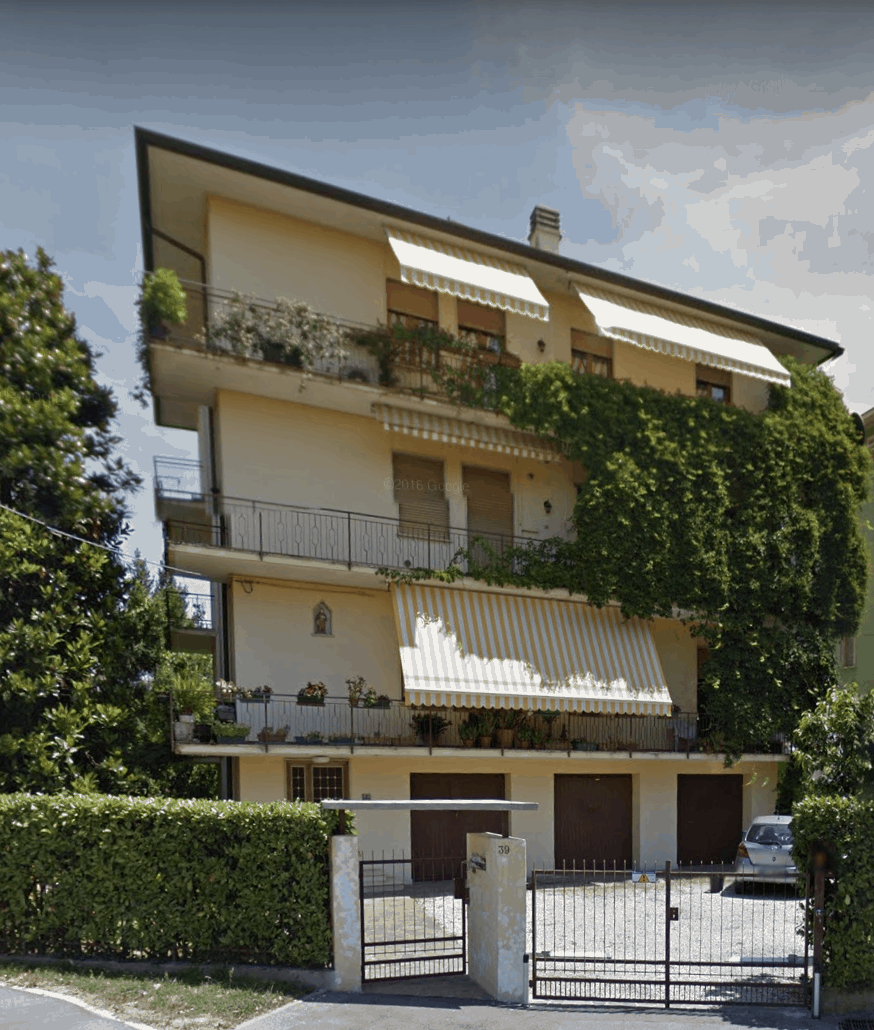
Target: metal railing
{"points": [[336, 723], [411, 363], [336, 536], [178, 478]]}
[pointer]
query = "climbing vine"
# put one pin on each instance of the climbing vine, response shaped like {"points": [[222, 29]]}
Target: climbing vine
{"points": [[747, 525]]}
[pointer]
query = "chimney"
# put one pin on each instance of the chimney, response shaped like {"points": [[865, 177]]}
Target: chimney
{"points": [[544, 232]]}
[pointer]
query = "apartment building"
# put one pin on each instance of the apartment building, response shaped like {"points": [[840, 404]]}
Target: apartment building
{"points": [[313, 479]]}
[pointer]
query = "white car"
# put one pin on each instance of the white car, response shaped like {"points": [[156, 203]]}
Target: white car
{"points": [[765, 853]]}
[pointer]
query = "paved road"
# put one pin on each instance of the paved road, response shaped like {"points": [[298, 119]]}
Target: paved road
{"points": [[22, 1010]]}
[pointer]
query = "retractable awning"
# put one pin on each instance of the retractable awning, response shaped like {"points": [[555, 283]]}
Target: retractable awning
{"points": [[464, 273], [473, 649], [459, 433], [681, 336]]}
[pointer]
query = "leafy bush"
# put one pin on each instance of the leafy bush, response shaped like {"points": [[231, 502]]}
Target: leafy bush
{"points": [[163, 298], [158, 878], [844, 828]]}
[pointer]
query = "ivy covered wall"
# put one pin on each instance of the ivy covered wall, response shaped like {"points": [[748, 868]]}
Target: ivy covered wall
{"points": [[747, 526]]}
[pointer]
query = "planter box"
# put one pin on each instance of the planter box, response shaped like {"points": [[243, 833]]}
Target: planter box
{"points": [[340, 740], [379, 704], [231, 740], [315, 702], [274, 737]]}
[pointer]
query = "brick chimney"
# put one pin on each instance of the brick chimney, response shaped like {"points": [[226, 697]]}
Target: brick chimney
{"points": [[545, 232]]}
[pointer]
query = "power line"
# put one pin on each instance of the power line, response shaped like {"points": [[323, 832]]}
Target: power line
{"points": [[91, 543]]}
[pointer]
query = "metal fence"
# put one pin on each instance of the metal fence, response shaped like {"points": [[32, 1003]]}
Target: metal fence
{"points": [[668, 936], [412, 922], [337, 723]]}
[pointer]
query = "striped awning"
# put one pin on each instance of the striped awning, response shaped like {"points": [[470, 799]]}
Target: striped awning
{"points": [[682, 336], [426, 426], [464, 273], [472, 649]]}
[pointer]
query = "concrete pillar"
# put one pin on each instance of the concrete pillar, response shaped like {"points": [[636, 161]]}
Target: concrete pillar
{"points": [[496, 916], [345, 913]]}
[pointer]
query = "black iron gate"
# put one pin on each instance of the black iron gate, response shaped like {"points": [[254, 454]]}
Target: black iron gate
{"points": [[669, 936], [413, 918]]}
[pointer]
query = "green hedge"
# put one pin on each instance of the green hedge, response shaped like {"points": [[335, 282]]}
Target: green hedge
{"points": [[844, 826], [159, 878]]}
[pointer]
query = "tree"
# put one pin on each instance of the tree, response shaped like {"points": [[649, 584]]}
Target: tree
{"points": [[80, 638]]}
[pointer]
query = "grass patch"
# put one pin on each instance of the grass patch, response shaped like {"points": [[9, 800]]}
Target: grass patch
{"points": [[191, 998]]}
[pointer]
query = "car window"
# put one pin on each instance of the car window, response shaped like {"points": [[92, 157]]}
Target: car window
{"points": [[768, 833]]}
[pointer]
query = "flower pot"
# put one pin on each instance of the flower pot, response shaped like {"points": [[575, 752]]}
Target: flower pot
{"points": [[226, 712], [485, 741], [183, 731], [524, 744], [241, 739], [505, 738], [467, 742], [313, 701]]}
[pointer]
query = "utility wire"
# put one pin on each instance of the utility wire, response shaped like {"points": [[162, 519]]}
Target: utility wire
{"points": [[91, 543]]}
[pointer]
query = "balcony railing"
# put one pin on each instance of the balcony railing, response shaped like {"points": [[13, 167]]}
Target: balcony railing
{"points": [[178, 478], [340, 537], [337, 725], [409, 369]]}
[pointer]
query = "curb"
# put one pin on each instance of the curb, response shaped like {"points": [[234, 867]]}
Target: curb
{"points": [[72, 1000]]}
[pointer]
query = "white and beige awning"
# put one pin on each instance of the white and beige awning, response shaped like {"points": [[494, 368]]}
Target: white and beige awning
{"points": [[681, 336], [456, 431], [465, 273], [473, 649]]}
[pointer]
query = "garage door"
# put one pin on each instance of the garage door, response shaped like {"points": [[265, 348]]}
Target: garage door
{"points": [[592, 820], [709, 818], [443, 835]]}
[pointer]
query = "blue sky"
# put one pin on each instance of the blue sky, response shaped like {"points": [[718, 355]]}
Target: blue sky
{"points": [[722, 150]]}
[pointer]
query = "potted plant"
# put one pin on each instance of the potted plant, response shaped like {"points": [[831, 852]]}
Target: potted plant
{"points": [[262, 693], [428, 726], [162, 302], [231, 732], [469, 731], [271, 736], [357, 689], [506, 728], [549, 717], [525, 735], [312, 694], [487, 721], [374, 700], [336, 739]]}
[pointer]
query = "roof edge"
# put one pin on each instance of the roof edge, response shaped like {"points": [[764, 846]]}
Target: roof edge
{"points": [[145, 138]]}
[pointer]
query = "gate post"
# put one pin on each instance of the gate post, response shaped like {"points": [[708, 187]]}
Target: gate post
{"points": [[345, 913], [496, 928]]}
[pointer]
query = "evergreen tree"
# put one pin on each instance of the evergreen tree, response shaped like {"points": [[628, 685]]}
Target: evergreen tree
{"points": [[81, 640]]}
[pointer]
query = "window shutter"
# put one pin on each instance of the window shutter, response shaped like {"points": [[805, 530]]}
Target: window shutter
{"points": [[478, 316], [411, 300], [489, 504], [419, 491]]}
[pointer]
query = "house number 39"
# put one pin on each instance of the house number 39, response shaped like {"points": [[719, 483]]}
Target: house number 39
{"points": [[503, 849]]}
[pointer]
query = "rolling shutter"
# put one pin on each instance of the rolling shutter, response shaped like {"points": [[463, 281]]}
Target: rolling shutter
{"points": [[489, 504], [421, 498]]}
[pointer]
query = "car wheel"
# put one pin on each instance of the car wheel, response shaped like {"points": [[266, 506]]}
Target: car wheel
{"points": [[740, 887]]}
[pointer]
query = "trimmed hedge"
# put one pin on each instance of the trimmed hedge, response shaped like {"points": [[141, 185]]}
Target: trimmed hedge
{"points": [[160, 878], [844, 826]]}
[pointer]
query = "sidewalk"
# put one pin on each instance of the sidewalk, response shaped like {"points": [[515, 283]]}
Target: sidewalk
{"points": [[328, 1010], [29, 1010]]}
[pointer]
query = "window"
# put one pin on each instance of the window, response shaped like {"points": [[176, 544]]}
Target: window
{"points": [[713, 383], [310, 782], [420, 493], [489, 507], [591, 355], [410, 306], [481, 325]]}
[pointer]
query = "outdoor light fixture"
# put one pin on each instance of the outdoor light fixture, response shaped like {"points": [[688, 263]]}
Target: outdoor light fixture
{"points": [[541, 345], [547, 506]]}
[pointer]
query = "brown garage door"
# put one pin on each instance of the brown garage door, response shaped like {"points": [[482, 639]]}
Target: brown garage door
{"points": [[443, 835], [592, 820], [709, 818]]}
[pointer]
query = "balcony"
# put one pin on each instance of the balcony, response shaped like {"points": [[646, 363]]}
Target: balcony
{"points": [[178, 492], [195, 633], [282, 724], [330, 348]]}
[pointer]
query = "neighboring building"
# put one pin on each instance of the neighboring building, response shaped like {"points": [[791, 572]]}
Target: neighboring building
{"points": [[308, 484], [856, 654]]}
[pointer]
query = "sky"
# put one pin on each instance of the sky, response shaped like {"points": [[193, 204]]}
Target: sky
{"points": [[725, 151]]}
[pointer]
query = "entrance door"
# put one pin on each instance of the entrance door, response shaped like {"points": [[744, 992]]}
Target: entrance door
{"points": [[592, 820], [443, 835], [709, 818]]}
